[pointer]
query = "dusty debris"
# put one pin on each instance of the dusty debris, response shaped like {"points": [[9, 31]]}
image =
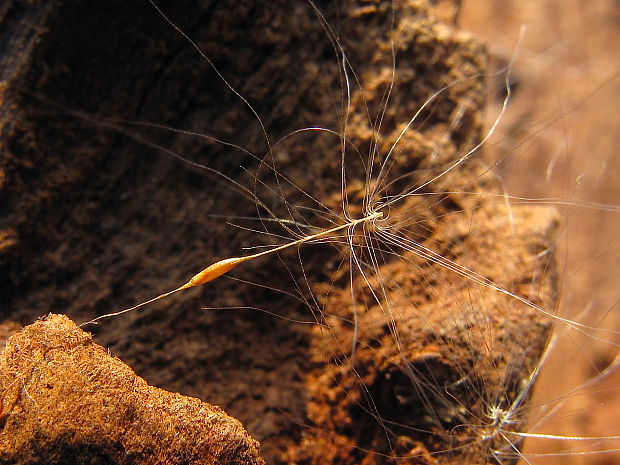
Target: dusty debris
{"points": [[65, 399]]}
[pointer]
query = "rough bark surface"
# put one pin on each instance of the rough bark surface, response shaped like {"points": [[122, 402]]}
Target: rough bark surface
{"points": [[66, 400], [95, 217]]}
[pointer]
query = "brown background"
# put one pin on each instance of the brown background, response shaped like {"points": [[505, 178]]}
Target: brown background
{"points": [[559, 139]]}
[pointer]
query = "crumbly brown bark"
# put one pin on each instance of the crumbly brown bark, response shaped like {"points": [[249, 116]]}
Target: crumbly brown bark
{"points": [[95, 221]]}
